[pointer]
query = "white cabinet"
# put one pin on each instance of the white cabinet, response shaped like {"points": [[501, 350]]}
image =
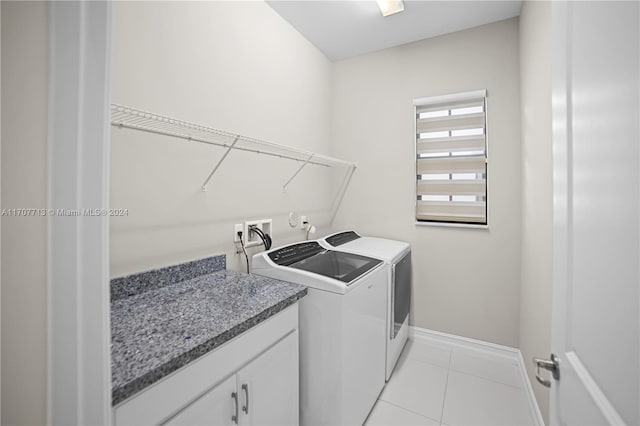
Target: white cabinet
{"points": [[250, 380], [265, 392], [269, 386], [213, 408]]}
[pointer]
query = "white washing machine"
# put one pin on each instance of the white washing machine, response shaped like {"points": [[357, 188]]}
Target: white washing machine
{"points": [[397, 258], [342, 329]]}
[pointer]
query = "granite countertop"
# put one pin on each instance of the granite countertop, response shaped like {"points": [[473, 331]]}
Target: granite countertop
{"points": [[166, 318]]}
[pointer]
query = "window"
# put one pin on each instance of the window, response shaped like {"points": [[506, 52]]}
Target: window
{"points": [[451, 159]]}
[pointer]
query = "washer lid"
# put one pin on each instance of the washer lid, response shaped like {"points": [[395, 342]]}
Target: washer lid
{"points": [[381, 248], [312, 257]]}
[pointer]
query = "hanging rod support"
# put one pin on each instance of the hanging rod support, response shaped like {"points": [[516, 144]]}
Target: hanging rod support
{"points": [[284, 187], [204, 185], [342, 190]]}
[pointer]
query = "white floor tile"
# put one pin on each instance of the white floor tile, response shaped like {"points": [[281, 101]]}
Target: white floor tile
{"points": [[385, 414], [426, 352], [471, 400], [417, 386], [487, 366]]}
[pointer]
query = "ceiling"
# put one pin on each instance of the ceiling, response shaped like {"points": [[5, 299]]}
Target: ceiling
{"points": [[345, 28]]}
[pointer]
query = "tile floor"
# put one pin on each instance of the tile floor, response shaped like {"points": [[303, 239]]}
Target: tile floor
{"points": [[435, 384]]}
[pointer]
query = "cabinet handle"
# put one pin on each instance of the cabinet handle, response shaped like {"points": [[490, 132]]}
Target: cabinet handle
{"points": [[234, 418], [245, 388]]}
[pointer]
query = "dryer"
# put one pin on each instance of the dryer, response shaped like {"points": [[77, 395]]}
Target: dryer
{"points": [[397, 259], [342, 328]]}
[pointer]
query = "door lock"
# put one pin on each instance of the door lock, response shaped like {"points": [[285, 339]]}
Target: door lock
{"points": [[551, 365]]}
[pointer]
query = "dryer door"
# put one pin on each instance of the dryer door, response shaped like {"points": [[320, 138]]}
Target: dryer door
{"points": [[401, 293]]}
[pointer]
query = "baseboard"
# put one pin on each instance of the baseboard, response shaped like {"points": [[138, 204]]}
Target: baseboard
{"points": [[468, 343], [493, 349]]}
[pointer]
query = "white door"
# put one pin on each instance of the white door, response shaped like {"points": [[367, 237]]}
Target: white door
{"points": [[216, 407], [268, 386], [596, 324]]}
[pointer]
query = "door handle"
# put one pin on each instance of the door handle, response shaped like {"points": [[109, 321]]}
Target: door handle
{"points": [[234, 417], [550, 365], [245, 388]]}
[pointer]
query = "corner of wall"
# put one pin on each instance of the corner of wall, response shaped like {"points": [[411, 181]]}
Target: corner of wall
{"points": [[24, 39], [537, 194]]}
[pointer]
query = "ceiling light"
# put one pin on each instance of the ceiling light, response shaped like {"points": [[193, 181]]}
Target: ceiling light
{"points": [[389, 7]]}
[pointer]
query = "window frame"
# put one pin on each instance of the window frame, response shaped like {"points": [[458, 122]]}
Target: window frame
{"points": [[442, 99]]}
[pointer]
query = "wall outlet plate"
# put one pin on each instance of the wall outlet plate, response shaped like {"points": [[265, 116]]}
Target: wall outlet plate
{"points": [[267, 227], [238, 227], [251, 238]]}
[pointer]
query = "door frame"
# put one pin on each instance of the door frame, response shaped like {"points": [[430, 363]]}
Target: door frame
{"points": [[79, 376]]}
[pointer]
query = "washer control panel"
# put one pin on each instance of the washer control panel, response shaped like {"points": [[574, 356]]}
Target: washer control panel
{"points": [[295, 253]]}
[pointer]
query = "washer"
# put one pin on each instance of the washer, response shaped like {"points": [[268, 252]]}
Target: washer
{"points": [[342, 329], [397, 258]]}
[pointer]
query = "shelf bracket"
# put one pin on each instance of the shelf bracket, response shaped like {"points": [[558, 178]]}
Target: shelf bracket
{"points": [[284, 187], [342, 190], [229, 148]]}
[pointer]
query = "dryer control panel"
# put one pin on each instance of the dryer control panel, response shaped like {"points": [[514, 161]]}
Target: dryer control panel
{"points": [[342, 238]]}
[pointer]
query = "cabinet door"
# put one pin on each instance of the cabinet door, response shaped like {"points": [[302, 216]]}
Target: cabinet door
{"points": [[216, 407], [268, 386]]}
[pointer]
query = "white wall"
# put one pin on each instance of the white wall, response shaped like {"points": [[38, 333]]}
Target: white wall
{"points": [[537, 190], [466, 281], [24, 239], [237, 66]]}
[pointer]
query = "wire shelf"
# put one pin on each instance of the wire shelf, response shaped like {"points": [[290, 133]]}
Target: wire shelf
{"points": [[133, 118]]}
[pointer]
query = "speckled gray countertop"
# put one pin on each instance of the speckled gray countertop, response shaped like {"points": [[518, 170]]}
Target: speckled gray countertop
{"points": [[164, 319]]}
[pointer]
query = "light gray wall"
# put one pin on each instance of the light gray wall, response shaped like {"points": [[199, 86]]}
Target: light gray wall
{"points": [[537, 190], [237, 66], [25, 51], [466, 281], [218, 67]]}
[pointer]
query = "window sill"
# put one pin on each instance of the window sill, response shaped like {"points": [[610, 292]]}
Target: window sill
{"points": [[452, 225]]}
